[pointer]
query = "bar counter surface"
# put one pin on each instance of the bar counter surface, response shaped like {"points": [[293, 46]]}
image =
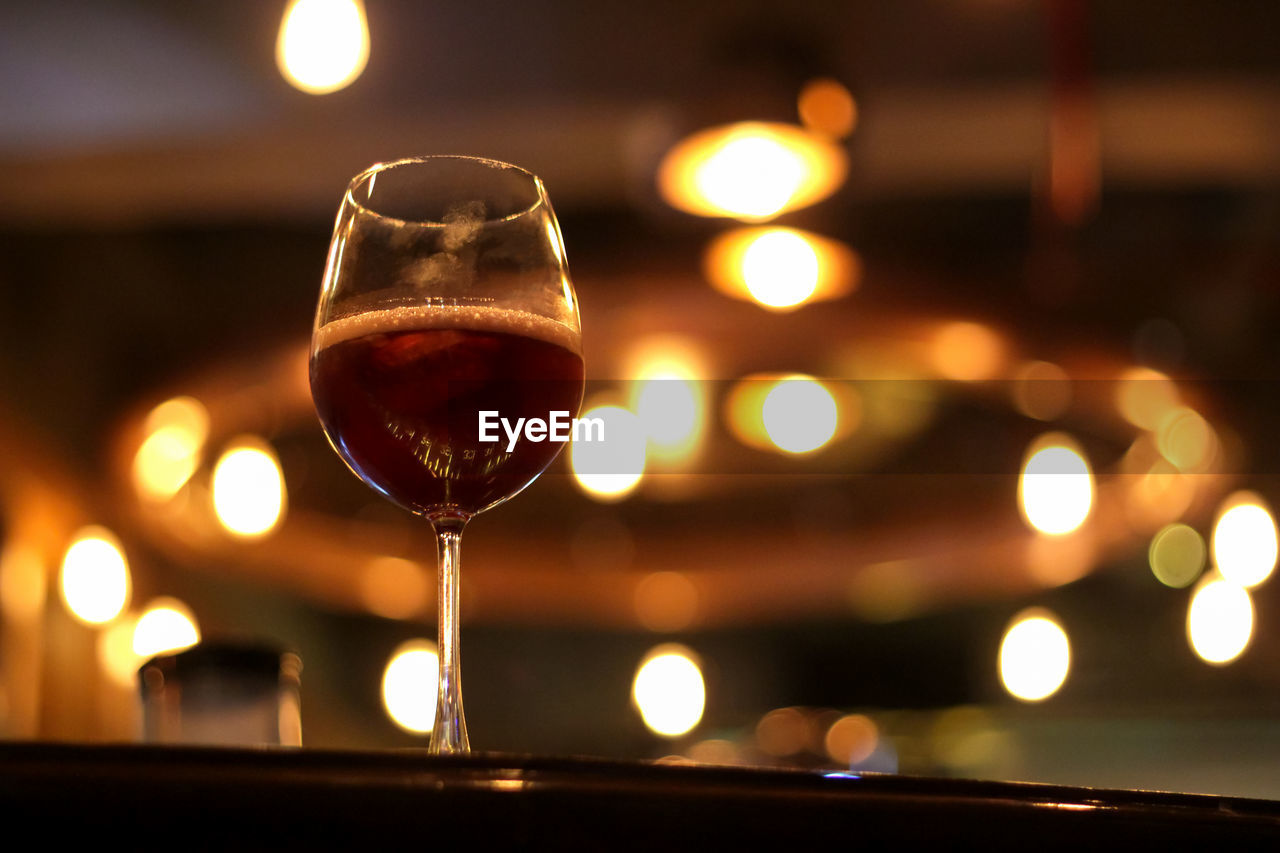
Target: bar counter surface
{"points": [[214, 798]]}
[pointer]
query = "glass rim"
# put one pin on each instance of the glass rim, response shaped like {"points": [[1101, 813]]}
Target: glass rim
{"points": [[385, 166]]}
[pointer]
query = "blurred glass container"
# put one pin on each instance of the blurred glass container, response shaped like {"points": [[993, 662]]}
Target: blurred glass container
{"points": [[223, 694]]}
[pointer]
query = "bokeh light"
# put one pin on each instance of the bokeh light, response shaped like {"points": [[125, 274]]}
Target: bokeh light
{"points": [[175, 434], [1176, 555], [114, 649], [799, 414], [395, 588], [1145, 397], [1186, 439], [409, 686], [668, 691], [611, 469], [323, 44], [1055, 491], [782, 732], [23, 585], [666, 601], [851, 739], [1041, 390], [95, 576], [1244, 540], [668, 396], [751, 170], [967, 352], [1219, 620], [1035, 656], [166, 625], [780, 269], [827, 106], [248, 488]]}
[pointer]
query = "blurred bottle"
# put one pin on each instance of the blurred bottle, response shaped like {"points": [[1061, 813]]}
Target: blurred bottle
{"points": [[223, 694]]}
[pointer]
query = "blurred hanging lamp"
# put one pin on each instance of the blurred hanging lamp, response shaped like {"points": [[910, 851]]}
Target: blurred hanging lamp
{"points": [[323, 44]]}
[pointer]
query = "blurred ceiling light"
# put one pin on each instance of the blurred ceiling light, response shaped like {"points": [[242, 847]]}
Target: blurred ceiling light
{"points": [[1186, 439], [409, 686], [1219, 620], [668, 396], [175, 434], [166, 625], [827, 106], [95, 576], [394, 588], [799, 414], [967, 352], [1055, 491], [1041, 390], [114, 648], [666, 601], [668, 690], [1244, 540], [611, 469], [323, 44], [248, 488], [1145, 397], [23, 585], [751, 170], [780, 268], [1176, 555], [1035, 656]]}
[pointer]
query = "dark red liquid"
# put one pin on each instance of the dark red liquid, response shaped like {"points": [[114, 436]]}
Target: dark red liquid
{"points": [[401, 408]]}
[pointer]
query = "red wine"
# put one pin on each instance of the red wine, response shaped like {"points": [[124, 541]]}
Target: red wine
{"points": [[400, 392]]}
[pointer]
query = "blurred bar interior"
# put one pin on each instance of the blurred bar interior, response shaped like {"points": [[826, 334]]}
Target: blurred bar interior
{"points": [[943, 330]]}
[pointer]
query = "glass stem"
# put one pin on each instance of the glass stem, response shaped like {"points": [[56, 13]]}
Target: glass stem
{"points": [[449, 737]]}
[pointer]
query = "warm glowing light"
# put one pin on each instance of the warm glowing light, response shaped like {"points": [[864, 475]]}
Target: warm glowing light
{"points": [[95, 576], [1041, 390], [1244, 540], [409, 686], [167, 625], [168, 456], [799, 414], [1145, 397], [1176, 555], [115, 653], [782, 732], [323, 44], [1219, 621], [827, 106], [1186, 439], [609, 470], [820, 411], [248, 488], [394, 588], [1055, 490], [668, 397], [668, 691], [1034, 656], [23, 584], [666, 601], [967, 352], [780, 268], [751, 171], [851, 739]]}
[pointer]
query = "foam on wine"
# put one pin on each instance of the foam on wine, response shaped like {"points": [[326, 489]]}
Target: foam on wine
{"points": [[475, 318]]}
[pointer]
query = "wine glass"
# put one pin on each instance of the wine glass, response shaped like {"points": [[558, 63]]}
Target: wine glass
{"points": [[446, 299]]}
